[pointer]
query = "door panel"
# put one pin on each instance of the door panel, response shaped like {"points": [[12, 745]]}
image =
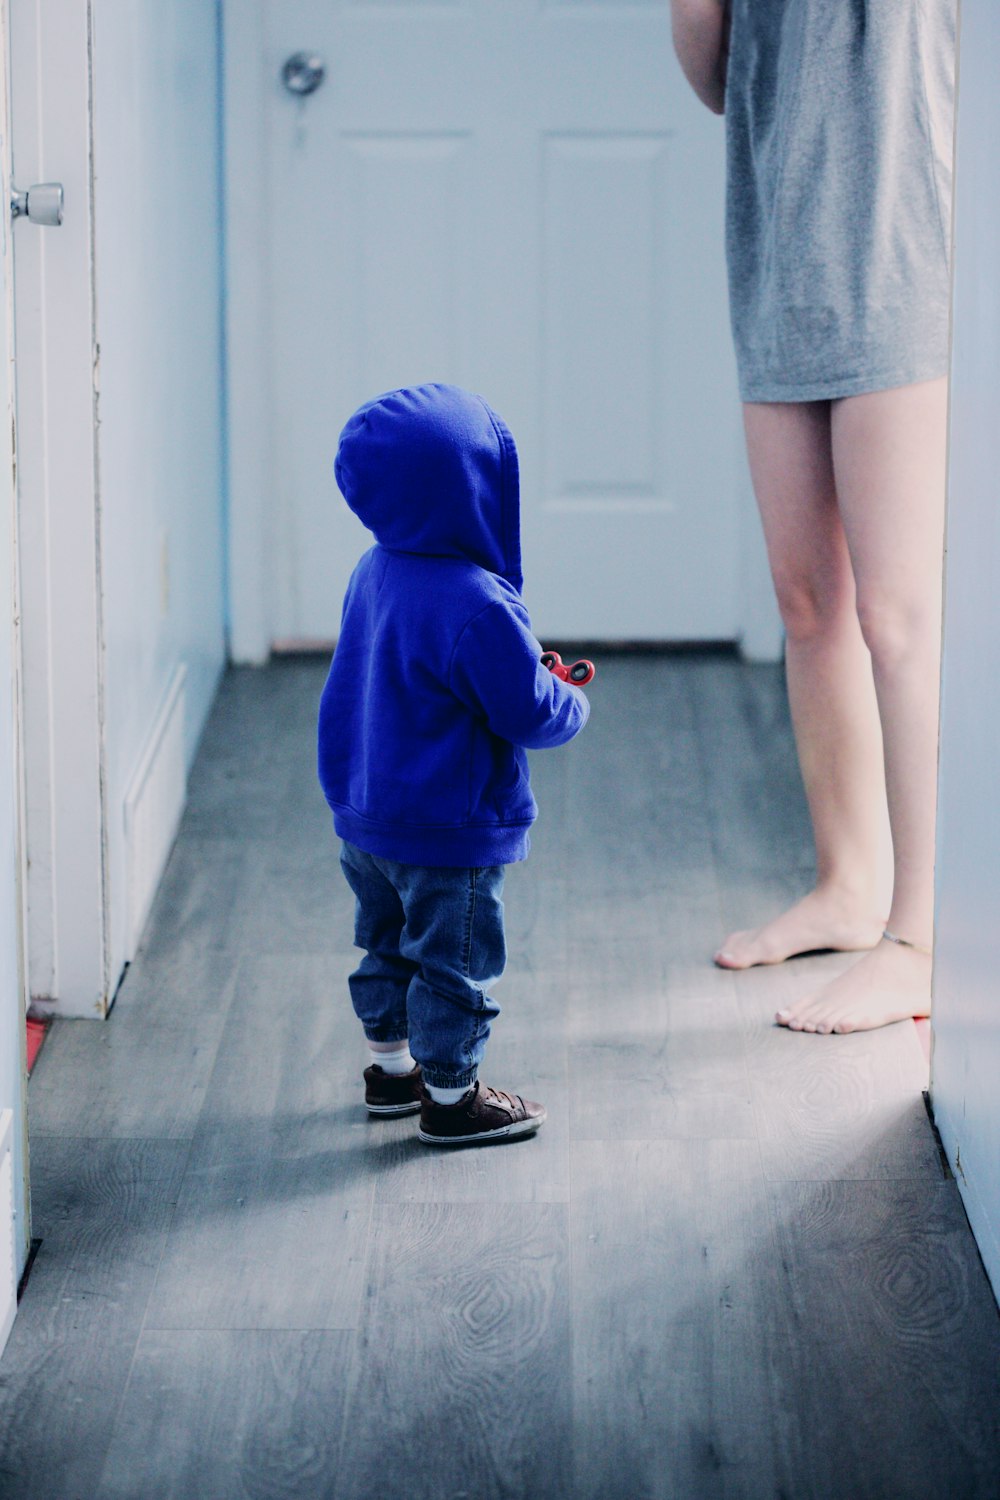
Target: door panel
{"points": [[15, 1225], [604, 291], [57, 374], [521, 198]]}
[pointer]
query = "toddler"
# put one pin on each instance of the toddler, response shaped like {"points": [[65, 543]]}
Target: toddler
{"points": [[435, 691]]}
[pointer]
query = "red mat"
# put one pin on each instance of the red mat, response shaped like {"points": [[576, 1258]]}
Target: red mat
{"points": [[36, 1036]]}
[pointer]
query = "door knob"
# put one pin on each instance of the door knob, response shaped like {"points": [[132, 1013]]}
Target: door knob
{"points": [[42, 204], [303, 73]]}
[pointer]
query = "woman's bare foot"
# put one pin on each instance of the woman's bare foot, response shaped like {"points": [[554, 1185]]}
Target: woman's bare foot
{"points": [[823, 919], [889, 984]]}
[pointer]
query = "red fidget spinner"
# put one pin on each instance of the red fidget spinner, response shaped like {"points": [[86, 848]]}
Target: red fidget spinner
{"points": [[579, 673]]}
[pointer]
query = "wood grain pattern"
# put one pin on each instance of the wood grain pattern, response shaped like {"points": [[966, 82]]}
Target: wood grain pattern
{"points": [[755, 801], [464, 1356], [272, 1222], [657, 1057], [101, 1210], [838, 1116], [295, 899], [889, 1381], [728, 1266], [145, 1075], [200, 903], [234, 1416], [672, 1255]]}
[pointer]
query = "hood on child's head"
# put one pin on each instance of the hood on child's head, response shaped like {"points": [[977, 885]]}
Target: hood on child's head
{"points": [[432, 469]]}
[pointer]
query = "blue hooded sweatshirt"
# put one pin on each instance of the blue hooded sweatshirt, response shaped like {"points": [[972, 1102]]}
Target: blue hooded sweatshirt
{"points": [[436, 686]]}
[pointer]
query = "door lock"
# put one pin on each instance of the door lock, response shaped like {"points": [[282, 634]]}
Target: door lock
{"points": [[42, 204]]}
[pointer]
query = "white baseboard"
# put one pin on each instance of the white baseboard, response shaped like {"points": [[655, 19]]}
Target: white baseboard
{"points": [[8, 1262], [985, 1229], [153, 807]]}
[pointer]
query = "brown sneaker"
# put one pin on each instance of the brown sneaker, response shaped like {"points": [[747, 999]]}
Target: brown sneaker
{"points": [[392, 1093], [484, 1115]]}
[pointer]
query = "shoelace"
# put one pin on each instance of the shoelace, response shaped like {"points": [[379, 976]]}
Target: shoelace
{"points": [[506, 1101]]}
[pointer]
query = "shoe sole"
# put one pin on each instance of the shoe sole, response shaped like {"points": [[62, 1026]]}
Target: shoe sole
{"points": [[394, 1109], [484, 1137]]}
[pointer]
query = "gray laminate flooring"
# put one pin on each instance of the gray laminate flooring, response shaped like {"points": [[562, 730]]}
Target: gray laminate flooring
{"points": [[731, 1265]]}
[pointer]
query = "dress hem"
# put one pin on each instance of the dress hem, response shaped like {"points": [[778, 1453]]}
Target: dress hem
{"points": [[834, 390]]}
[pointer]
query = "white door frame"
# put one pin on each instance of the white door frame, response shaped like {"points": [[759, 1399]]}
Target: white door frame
{"points": [[58, 497], [15, 1226], [247, 330]]}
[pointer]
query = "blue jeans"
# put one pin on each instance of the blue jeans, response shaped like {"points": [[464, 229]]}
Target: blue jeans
{"points": [[434, 942]]}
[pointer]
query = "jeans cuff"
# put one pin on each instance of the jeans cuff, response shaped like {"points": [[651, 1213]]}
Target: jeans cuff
{"points": [[387, 1033], [439, 1080]]}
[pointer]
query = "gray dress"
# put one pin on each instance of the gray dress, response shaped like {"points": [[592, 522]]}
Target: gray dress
{"points": [[839, 122]]}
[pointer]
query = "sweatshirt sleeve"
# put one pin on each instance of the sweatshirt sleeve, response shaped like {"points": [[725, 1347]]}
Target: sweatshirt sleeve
{"points": [[496, 670]]}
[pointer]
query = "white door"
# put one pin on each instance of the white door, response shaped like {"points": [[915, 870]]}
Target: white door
{"points": [[519, 196], [14, 1220], [58, 374]]}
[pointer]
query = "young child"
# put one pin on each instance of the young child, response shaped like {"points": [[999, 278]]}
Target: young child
{"points": [[435, 690]]}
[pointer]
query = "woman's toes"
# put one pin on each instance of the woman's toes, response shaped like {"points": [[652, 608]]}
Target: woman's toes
{"points": [[729, 955], [879, 989], [810, 1014], [733, 961]]}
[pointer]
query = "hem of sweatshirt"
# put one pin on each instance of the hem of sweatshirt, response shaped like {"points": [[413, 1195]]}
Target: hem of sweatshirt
{"points": [[443, 845]]}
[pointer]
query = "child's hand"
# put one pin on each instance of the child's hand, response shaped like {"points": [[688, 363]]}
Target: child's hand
{"points": [[579, 674]]}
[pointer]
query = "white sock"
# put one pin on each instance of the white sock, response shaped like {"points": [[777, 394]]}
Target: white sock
{"points": [[396, 1062], [446, 1096]]}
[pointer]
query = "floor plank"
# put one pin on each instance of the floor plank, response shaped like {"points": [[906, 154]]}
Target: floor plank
{"points": [[684, 1080], [890, 1337], [101, 1209], [147, 1073], [272, 1221], [754, 798], [464, 1354], [672, 1254], [231, 1416], [201, 903]]}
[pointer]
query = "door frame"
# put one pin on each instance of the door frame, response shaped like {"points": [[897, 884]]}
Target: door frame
{"points": [[58, 381], [247, 280], [15, 1218]]}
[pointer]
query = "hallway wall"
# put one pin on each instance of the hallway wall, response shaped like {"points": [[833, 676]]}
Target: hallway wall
{"points": [[966, 1060], [158, 289]]}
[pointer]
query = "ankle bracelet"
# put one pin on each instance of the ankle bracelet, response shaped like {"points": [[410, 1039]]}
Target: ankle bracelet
{"points": [[905, 943]]}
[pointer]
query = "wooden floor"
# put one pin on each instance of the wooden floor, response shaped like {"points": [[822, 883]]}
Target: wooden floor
{"points": [[731, 1265]]}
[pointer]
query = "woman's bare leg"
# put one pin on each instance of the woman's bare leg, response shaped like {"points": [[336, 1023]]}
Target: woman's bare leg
{"points": [[830, 688], [889, 451]]}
